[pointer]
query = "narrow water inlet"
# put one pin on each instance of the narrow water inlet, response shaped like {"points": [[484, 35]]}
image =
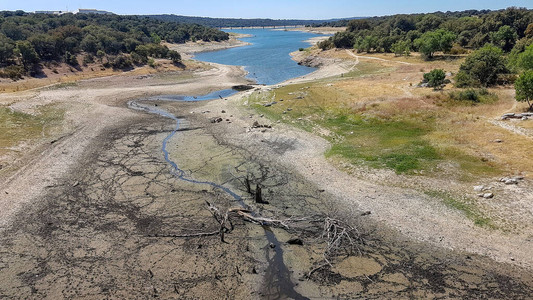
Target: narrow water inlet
{"points": [[277, 275]]}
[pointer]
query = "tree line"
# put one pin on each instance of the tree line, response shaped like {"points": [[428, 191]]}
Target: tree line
{"points": [[232, 22], [27, 40]]}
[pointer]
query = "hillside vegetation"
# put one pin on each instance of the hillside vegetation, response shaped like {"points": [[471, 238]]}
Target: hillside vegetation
{"points": [[452, 32], [29, 40]]}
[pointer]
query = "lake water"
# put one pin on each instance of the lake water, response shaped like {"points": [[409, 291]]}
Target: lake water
{"points": [[267, 60]]}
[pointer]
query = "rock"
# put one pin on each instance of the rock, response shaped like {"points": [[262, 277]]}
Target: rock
{"points": [[223, 111], [255, 124], [272, 245], [488, 195], [216, 120], [525, 118], [366, 213], [295, 241], [498, 141], [261, 115], [519, 177], [511, 181], [509, 115], [504, 179], [479, 188], [289, 109]]}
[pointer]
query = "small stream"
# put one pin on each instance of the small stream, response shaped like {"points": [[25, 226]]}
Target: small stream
{"points": [[277, 275]]}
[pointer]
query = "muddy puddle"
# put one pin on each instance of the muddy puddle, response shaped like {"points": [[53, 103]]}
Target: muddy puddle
{"points": [[114, 229]]}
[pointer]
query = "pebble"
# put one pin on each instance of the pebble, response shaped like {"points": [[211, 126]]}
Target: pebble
{"points": [[479, 188], [488, 195]]}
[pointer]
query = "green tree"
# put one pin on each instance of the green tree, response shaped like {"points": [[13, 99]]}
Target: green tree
{"points": [[28, 55], [505, 38], [482, 67], [401, 48], [90, 44], [435, 78], [525, 59], [6, 48], [174, 56], [433, 41], [524, 88]]}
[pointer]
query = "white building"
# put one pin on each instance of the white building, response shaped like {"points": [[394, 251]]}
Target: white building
{"points": [[93, 11], [51, 12]]}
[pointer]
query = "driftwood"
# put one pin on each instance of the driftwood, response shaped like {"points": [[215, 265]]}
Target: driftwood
{"points": [[340, 238], [224, 219]]}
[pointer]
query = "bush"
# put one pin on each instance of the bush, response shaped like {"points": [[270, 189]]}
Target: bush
{"points": [[13, 72], [121, 62], [71, 59], [473, 95], [138, 59], [151, 63], [435, 78]]}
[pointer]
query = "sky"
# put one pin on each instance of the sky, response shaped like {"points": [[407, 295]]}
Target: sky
{"points": [[274, 9]]}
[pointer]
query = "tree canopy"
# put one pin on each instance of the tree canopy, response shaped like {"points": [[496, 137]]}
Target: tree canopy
{"points": [[430, 33], [524, 88], [482, 67]]}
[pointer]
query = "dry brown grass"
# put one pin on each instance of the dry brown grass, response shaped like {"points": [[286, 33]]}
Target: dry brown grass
{"points": [[460, 131]]}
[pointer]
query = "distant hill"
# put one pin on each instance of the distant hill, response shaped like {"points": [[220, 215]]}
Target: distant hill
{"points": [[228, 22]]}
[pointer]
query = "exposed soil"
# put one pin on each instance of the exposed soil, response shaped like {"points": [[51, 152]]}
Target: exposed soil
{"points": [[98, 212]]}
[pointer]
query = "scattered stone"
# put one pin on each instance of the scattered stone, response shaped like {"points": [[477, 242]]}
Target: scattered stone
{"points": [[280, 100], [479, 188], [289, 109], [498, 141], [299, 119], [75, 184], [261, 115], [254, 271], [270, 104], [216, 120], [227, 120], [206, 112], [525, 118], [511, 181], [272, 245], [366, 213], [257, 125], [509, 115], [251, 116], [223, 111], [295, 241], [488, 195], [284, 112]]}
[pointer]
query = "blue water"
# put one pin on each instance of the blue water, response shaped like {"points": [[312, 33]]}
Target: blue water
{"points": [[210, 96], [267, 60]]}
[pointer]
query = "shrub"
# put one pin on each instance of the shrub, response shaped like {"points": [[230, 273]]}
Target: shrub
{"points": [[151, 63], [435, 78], [473, 95], [13, 72], [121, 62]]}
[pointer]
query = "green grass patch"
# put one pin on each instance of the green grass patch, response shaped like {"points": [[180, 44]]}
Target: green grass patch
{"points": [[468, 208], [393, 144], [16, 127]]}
